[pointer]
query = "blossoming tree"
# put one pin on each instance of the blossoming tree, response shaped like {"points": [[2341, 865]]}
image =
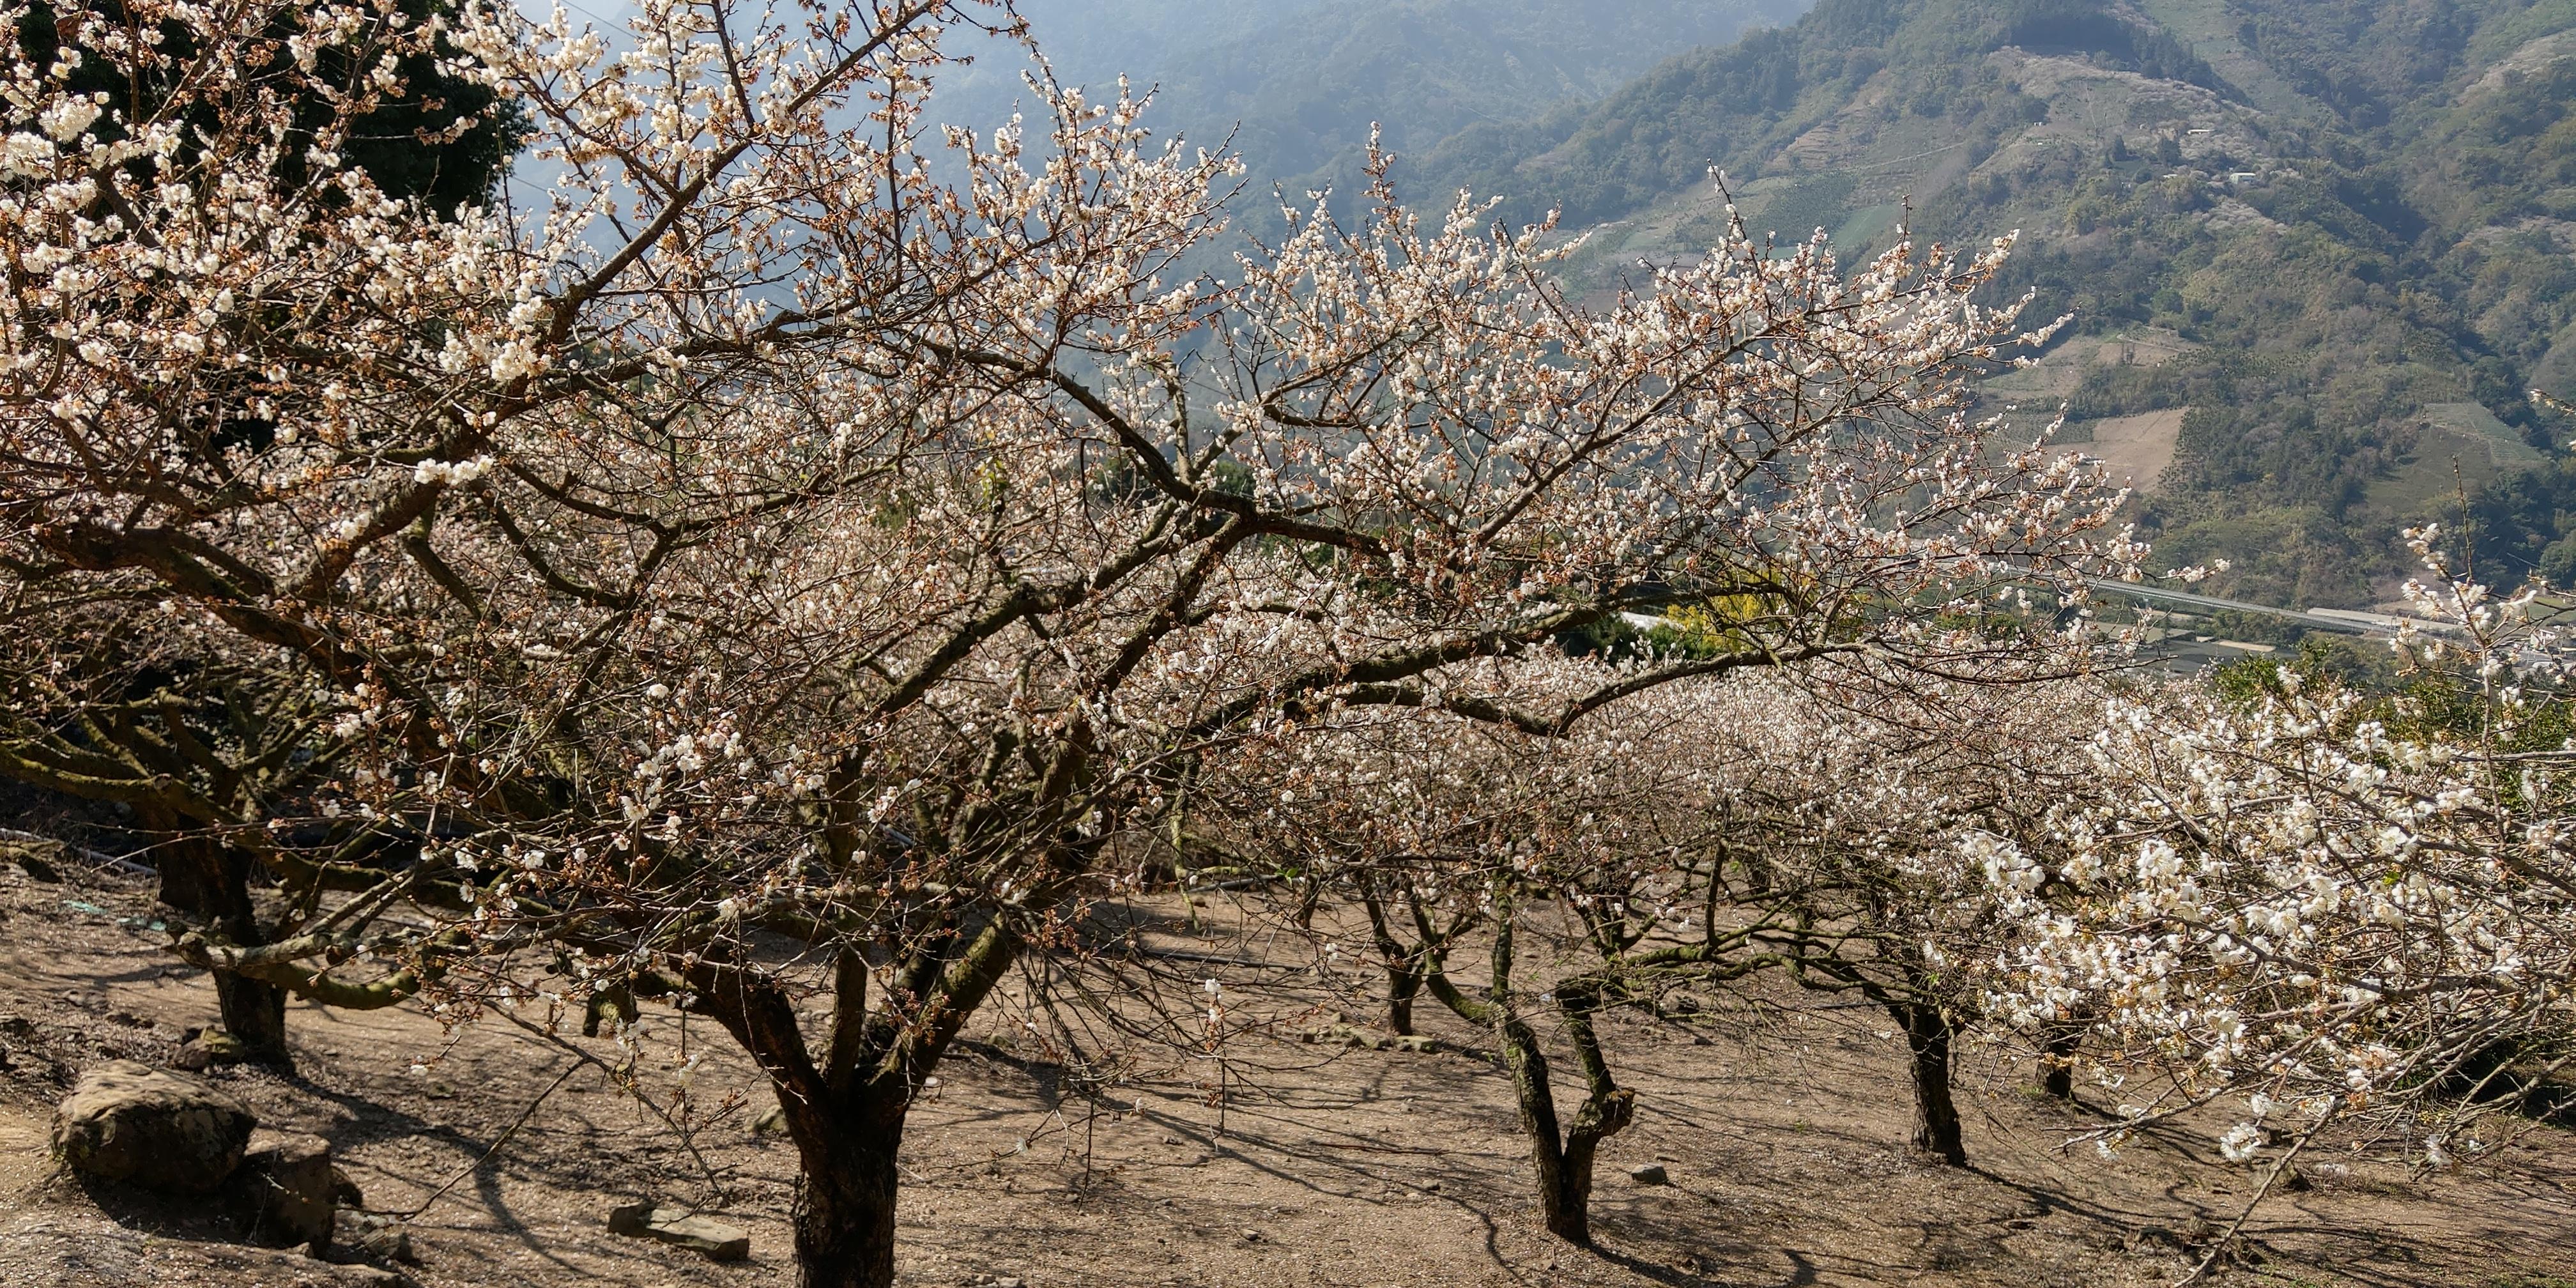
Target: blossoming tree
{"points": [[103, 704], [2321, 905], [779, 574], [1791, 822]]}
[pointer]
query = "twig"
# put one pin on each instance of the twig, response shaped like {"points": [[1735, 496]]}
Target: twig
{"points": [[503, 1139], [2228, 1237], [95, 858], [714, 1184]]}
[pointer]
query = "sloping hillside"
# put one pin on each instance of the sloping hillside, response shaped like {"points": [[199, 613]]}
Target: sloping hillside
{"points": [[1297, 84], [2353, 219], [1306, 92]]}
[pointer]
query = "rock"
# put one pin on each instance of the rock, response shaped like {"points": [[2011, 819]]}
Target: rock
{"points": [[681, 1227], [773, 1123], [1650, 1174], [1357, 1038], [211, 1047], [36, 859], [283, 1190], [264, 1268], [1344, 1035], [369, 1236], [167, 1131], [344, 1191]]}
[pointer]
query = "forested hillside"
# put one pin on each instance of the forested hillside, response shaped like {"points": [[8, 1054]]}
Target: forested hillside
{"points": [[2318, 250], [1297, 85]]}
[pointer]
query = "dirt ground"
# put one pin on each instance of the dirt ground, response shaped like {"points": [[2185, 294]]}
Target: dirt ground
{"points": [[2138, 448], [1779, 1123]]}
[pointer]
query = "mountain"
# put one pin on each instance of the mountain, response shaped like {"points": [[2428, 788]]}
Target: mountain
{"points": [[1306, 93], [1297, 84], [2316, 249]]}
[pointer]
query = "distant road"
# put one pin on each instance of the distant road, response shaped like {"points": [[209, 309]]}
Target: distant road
{"points": [[2212, 603]]}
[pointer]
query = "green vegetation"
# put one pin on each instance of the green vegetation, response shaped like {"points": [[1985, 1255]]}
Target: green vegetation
{"points": [[390, 143], [2358, 216], [2351, 224]]}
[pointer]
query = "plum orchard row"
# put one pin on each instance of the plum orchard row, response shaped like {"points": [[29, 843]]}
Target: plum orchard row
{"points": [[801, 564]]}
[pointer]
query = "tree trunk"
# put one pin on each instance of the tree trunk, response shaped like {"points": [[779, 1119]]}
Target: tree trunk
{"points": [[845, 1201], [1561, 1155], [1402, 986], [2057, 1062], [1936, 1117], [210, 883], [255, 1013], [1564, 1189]]}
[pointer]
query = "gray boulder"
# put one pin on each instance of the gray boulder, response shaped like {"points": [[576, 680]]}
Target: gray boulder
{"points": [[284, 1190], [369, 1236], [681, 1227], [131, 1123]]}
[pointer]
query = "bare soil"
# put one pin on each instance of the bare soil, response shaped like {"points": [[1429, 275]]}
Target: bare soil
{"points": [[2138, 448], [1779, 1119]]}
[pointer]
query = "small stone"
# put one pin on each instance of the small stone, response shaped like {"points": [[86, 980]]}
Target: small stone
{"points": [[1348, 1035], [36, 859], [368, 1236], [210, 1048], [773, 1123], [167, 1131], [1252, 1236], [284, 1189], [681, 1227], [345, 1191], [1650, 1174]]}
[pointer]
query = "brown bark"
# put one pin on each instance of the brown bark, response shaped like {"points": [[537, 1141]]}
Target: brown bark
{"points": [[846, 1191], [1562, 1158], [847, 1114], [1562, 1155], [2057, 1060], [1936, 1116], [1402, 986], [209, 882], [1404, 969]]}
